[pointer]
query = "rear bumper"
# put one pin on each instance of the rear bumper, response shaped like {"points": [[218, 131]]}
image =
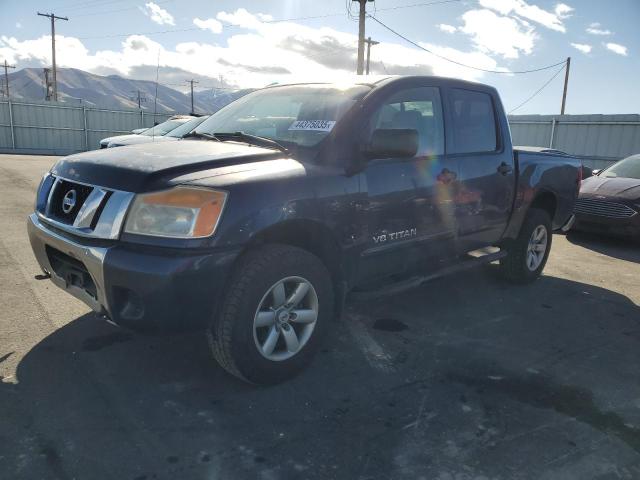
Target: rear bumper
{"points": [[142, 289]]}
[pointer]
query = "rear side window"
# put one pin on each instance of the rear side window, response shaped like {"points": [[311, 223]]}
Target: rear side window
{"points": [[474, 122]]}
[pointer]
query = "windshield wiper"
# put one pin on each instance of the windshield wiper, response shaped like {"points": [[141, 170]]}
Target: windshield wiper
{"points": [[208, 136], [250, 139]]}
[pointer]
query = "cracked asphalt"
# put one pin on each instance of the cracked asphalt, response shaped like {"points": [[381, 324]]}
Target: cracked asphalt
{"points": [[463, 378]]}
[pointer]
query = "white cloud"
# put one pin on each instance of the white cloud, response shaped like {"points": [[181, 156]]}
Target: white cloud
{"points": [[552, 20], [18, 25], [596, 29], [583, 47], [447, 28], [495, 34], [258, 54], [563, 10], [158, 14], [209, 24], [617, 48], [264, 17]]}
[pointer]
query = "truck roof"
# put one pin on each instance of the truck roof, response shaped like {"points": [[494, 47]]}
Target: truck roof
{"points": [[379, 80]]}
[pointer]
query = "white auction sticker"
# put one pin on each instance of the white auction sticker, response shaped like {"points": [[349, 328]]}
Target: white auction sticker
{"points": [[313, 125]]}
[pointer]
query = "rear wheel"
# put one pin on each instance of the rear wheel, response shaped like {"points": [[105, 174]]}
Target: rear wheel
{"points": [[527, 254], [276, 310]]}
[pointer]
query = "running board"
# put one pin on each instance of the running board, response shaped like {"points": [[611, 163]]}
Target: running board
{"points": [[416, 281]]}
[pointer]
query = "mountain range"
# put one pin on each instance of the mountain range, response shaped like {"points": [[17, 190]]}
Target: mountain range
{"points": [[116, 92]]}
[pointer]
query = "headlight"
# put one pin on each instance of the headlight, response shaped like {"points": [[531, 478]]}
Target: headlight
{"points": [[182, 212]]}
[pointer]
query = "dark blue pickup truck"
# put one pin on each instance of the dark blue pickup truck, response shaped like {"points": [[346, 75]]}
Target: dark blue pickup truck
{"points": [[256, 227]]}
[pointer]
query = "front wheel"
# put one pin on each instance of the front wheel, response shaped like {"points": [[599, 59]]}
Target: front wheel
{"points": [[527, 254], [277, 307]]}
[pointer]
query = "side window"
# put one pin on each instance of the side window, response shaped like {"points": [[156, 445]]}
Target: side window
{"points": [[416, 108], [474, 122]]}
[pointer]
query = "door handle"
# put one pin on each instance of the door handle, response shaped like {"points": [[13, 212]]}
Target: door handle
{"points": [[504, 168]]}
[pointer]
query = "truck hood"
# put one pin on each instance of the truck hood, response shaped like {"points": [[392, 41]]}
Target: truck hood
{"points": [[153, 166], [619, 187], [137, 139]]}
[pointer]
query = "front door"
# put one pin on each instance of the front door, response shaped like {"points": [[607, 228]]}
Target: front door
{"points": [[409, 209]]}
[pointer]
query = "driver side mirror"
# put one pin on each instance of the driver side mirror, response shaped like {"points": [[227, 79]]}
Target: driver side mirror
{"points": [[392, 143], [596, 171]]}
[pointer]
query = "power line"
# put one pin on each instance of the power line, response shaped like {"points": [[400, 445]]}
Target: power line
{"points": [[539, 90], [427, 4], [230, 25], [89, 4], [460, 63], [159, 2], [157, 32]]}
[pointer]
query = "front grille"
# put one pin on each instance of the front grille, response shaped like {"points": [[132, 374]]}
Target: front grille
{"points": [[56, 201], [97, 212], [603, 208]]}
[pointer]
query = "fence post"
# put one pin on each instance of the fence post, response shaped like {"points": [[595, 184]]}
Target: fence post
{"points": [[13, 137], [553, 129], [86, 134]]}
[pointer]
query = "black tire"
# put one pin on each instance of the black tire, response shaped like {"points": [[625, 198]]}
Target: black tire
{"points": [[514, 266], [231, 334]]}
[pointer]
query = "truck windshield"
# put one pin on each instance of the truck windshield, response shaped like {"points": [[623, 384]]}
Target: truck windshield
{"points": [[299, 115], [627, 168]]}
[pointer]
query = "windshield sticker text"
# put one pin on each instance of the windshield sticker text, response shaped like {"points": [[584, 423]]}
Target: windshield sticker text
{"points": [[313, 125]]}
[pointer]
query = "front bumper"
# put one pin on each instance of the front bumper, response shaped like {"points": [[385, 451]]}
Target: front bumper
{"points": [[625, 227], [142, 288]]}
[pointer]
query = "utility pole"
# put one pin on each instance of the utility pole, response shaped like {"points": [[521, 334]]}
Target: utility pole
{"points": [[6, 77], [48, 86], [369, 43], [139, 96], [53, 19], [361, 21], [566, 83], [192, 81]]}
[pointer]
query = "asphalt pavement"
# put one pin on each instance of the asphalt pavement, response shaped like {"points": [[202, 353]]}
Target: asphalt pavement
{"points": [[464, 378]]}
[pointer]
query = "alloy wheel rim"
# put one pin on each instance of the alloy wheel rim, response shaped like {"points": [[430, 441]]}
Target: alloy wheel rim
{"points": [[537, 247], [285, 318]]}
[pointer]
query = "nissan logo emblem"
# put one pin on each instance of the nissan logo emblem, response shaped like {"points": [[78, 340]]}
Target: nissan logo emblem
{"points": [[69, 201]]}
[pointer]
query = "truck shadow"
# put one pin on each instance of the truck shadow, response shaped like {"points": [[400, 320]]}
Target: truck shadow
{"points": [[94, 401], [615, 247]]}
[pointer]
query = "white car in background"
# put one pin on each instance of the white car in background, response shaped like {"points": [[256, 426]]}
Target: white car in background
{"points": [[175, 134], [157, 131]]}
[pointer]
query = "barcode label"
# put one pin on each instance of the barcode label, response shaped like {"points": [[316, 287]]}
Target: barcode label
{"points": [[313, 125]]}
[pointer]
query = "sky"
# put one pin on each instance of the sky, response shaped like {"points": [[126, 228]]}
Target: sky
{"points": [[254, 43]]}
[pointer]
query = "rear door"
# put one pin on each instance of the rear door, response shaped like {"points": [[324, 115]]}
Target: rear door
{"points": [[409, 212], [480, 144]]}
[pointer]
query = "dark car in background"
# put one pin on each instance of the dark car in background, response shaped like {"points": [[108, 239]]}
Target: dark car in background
{"points": [[609, 202]]}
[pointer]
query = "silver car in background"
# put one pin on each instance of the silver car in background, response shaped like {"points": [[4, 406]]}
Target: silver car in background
{"points": [[156, 131], [175, 134]]}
